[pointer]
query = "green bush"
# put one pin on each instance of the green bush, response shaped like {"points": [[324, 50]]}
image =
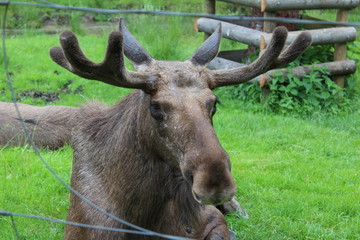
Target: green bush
{"points": [[313, 93], [288, 94]]}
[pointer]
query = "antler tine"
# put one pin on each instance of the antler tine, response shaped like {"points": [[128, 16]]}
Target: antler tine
{"points": [[57, 56], [301, 42], [272, 57], [132, 48], [111, 70], [208, 50]]}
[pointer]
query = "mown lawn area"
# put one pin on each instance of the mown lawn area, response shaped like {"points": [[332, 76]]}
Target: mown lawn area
{"points": [[297, 176]]}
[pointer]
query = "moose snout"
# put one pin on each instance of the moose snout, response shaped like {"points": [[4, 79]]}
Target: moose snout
{"points": [[212, 184]]}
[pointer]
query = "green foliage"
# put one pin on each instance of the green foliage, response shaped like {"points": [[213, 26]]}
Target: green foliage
{"points": [[311, 94], [315, 54]]}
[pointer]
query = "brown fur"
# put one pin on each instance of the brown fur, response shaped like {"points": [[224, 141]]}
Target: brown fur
{"points": [[133, 166], [49, 126]]}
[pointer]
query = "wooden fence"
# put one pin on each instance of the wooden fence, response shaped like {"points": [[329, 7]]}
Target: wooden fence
{"points": [[338, 36]]}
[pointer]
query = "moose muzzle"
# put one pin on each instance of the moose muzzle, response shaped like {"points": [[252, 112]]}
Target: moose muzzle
{"points": [[212, 182]]}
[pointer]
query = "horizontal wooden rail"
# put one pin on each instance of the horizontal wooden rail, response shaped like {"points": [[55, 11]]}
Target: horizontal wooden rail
{"points": [[324, 35], [337, 68], [231, 31], [278, 5], [252, 37]]}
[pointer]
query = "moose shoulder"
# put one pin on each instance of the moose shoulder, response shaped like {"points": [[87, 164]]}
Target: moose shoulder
{"points": [[154, 158]]}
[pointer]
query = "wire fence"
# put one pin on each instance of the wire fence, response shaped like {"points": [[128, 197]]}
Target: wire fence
{"points": [[45, 4]]}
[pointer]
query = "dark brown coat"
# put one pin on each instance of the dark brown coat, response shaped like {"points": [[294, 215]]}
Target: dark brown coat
{"points": [[49, 126]]}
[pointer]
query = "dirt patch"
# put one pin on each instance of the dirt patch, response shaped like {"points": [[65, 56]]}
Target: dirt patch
{"points": [[49, 97]]}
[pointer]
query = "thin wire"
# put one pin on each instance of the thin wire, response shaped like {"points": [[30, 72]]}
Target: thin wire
{"points": [[15, 228], [36, 150], [183, 14], [43, 1], [6, 213]]}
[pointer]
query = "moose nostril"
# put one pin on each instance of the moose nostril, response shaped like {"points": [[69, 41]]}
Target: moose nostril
{"points": [[189, 177]]}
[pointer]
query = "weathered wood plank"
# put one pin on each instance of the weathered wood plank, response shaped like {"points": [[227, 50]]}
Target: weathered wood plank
{"points": [[234, 55], [324, 36], [338, 68], [231, 31], [210, 8], [220, 63], [269, 26], [276, 5], [340, 48], [252, 37]]}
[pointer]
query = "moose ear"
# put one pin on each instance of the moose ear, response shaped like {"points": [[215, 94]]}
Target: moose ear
{"points": [[208, 50], [132, 48]]}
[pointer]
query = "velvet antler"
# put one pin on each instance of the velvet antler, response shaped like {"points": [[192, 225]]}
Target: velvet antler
{"points": [[111, 70], [273, 57]]}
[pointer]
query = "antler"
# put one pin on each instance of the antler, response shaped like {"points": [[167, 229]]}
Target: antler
{"points": [[208, 50], [133, 49], [272, 57], [111, 70]]}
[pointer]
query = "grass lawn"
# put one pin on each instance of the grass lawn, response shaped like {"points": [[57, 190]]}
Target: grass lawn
{"points": [[298, 177]]}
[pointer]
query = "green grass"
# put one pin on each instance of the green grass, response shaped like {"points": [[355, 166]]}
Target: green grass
{"points": [[298, 177], [28, 187]]}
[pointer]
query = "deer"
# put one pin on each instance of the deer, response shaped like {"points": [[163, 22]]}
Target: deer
{"points": [[154, 158]]}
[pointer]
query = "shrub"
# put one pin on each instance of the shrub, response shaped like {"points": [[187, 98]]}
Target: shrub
{"points": [[288, 94], [313, 93]]}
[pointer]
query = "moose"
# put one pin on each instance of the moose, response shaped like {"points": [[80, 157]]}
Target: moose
{"points": [[154, 158]]}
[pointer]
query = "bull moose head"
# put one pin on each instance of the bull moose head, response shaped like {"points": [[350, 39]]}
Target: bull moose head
{"points": [[177, 100]]}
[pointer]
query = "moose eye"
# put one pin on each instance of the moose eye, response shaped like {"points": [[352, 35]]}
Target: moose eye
{"points": [[213, 111], [156, 111]]}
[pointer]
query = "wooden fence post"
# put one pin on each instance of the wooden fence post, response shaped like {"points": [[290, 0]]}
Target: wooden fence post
{"points": [[269, 26], [210, 8], [340, 48]]}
